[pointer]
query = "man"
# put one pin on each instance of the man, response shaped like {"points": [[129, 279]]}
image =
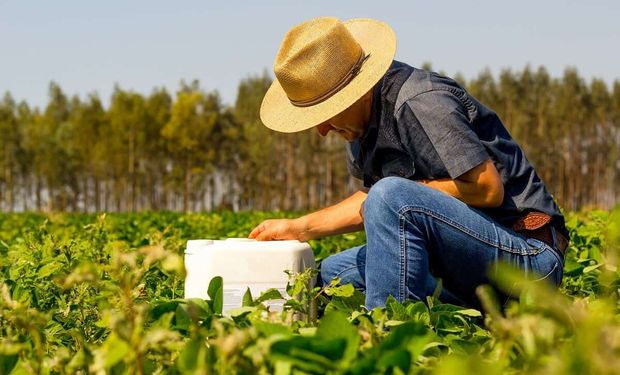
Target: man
{"points": [[448, 193]]}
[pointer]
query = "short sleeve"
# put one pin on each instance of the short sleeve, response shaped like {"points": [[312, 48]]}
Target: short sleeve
{"points": [[445, 121]]}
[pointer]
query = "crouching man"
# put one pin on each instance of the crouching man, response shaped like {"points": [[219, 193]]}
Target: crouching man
{"points": [[449, 194]]}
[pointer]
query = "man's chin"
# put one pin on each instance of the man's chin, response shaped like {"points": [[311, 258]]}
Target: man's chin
{"points": [[349, 137]]}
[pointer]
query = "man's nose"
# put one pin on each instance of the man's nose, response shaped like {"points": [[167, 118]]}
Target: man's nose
{"points": [[324, 128]]}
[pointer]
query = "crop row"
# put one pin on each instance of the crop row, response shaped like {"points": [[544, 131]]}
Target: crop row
{"points": [[103, 294]]}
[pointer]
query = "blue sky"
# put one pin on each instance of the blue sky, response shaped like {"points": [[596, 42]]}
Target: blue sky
{"points": [[89, 46]]}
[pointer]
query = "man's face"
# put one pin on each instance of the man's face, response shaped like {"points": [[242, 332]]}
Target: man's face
{"points": [[350, 123]]}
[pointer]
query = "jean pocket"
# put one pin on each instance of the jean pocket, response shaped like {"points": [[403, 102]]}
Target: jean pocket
{"points": [[548, 276], [553, 276], [534, 247]]}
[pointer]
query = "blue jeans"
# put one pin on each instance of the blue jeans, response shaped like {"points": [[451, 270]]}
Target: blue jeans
{"points": [[415, 234]]}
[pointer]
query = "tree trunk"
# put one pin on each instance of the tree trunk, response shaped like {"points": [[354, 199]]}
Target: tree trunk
{"points": [[329, 179], [97, 194], [8, 177], [188, 177], [290, 176], [26, 191], [131, 168]]}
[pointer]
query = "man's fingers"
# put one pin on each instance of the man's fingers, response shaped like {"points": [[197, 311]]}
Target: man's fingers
{"points": [[270, 230], [256, 231], [253, 233], [264, 236]]}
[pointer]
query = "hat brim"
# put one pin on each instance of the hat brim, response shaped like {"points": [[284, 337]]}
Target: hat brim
{"points": [[377, 39]]}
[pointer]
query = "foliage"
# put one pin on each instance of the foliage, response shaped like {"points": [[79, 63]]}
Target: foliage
{"points": [[102, 294], [191, 152]]}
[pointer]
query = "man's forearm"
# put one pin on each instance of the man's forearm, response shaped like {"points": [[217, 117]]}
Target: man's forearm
{"points": [[465, 191], [343, 217], [479, 187]]}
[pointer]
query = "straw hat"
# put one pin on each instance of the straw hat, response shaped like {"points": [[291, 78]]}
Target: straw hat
{"points": [[324, 66]]}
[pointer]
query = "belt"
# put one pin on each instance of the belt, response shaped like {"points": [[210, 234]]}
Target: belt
{"points": [[538, 225]]}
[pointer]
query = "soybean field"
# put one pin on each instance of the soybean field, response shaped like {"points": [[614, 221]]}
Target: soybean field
{"points": [[103, 294]]}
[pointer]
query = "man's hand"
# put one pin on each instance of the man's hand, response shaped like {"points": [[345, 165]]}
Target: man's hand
{"points": [[279, 229], [343, 217]]}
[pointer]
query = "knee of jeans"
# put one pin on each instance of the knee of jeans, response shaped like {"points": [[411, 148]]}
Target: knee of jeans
{"points": [[327, 270], [388, 193]]}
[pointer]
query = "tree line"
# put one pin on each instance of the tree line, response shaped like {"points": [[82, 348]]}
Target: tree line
{"points": [[190, 152]]}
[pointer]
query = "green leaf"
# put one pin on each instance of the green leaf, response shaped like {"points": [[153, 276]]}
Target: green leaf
{"points": [[572, 268], [347, 305], [247, 298], [294, 305], [309, 353], [160, 308], [401, 335], [182, 318], [435, 349], [464, 346], [395, 359], [218, 301], [7, 363], [216, 293], [189, 357], [592, 267], [283, 367], [395, 310], [418, 311], [270, 329], [48, 269], [200, 308], [334, 325], [346, 290], [22, 368], [215, 284], [308, 331], [470, 312], [241, 311], [115, 350], [269, 294]]}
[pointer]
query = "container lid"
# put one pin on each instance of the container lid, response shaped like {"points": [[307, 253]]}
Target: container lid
{"points": [[196, 244]]}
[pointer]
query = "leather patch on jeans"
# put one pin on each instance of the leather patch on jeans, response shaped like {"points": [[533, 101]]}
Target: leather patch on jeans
{"points": [[531, 221], [534, 225]]}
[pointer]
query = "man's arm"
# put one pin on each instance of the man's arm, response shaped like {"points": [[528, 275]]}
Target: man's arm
{"points": [[479, 187], [343, 217]]}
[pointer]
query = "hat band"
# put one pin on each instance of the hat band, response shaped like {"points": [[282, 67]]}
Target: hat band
{"points": [[355, 69]]}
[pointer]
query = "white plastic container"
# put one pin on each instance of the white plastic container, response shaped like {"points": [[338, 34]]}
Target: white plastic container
{"points": [[243, 263]]}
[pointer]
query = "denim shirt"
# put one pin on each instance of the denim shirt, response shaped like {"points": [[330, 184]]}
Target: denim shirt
{"points": [[426, 126]]}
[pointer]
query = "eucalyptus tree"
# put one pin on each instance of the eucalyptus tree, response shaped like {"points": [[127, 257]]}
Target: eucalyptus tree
{"points": [[9, 149], [189, 134], [255, 144], [25, 117], [126, 144], [156, 156], [53, 161], [87, 120]]}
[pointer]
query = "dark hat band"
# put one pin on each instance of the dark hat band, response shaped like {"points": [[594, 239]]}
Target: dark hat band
{"points": [[354, 71]]}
